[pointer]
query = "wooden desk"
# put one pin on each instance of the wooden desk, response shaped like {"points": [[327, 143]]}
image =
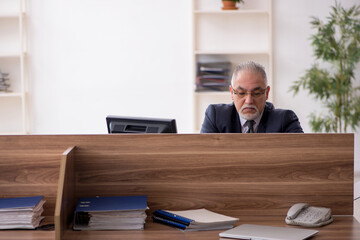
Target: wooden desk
{"points": [[259, 175], [343, 227]]}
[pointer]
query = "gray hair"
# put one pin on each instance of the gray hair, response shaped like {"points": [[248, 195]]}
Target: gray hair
{"points": [[249, 66]]}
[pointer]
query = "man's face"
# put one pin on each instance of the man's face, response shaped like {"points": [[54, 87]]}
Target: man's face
{"points": [[249, 93]]}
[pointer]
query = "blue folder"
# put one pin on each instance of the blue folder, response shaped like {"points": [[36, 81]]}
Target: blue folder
{"points": [[20, 202], [121, 203], [89, 205]]}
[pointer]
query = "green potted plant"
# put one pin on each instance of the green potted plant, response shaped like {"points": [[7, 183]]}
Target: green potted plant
{"points": [[231, 4], [337, 48]]}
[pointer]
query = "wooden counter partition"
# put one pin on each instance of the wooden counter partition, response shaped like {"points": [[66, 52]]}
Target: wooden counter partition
{"points": [[255, 177], [66, 193], [30, 168]]}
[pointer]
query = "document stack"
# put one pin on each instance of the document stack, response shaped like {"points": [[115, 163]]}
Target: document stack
{"points": [[110, 213], [213, 76], [21, 212], [194, 220], [3, 82]]}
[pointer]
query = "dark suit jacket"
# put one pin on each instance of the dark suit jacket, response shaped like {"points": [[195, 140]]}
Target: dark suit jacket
{"points": [[223, 118]]}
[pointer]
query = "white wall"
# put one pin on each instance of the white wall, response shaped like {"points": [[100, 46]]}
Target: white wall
{"points": [[91, 58]]}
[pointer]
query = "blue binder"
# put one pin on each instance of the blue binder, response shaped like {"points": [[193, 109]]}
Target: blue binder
{"points": [[20, 202], [168, 222], [121, 203], [88, 205], [161, 214]]}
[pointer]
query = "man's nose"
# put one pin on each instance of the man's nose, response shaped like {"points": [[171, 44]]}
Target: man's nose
{"points": [[248, 98]]}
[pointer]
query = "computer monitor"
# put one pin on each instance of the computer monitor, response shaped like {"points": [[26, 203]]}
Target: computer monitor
{"points": [[121, 124]]}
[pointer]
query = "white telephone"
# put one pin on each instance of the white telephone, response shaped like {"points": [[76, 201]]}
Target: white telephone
{"points": [[304, 215]]}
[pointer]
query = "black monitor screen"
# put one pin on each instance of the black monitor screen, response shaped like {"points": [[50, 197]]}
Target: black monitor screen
{"points": [[120, 124]]}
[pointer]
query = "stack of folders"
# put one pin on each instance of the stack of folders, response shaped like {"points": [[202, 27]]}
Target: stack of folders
{"points": [[194, 220], [110, 213], [4, 85], [213, 76], [21, 212]]}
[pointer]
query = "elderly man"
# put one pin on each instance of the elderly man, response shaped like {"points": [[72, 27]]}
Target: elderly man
{"points": [[249, 112]]}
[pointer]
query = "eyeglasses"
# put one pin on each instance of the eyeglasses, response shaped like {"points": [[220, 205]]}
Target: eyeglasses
{"points": [[255, 94]]}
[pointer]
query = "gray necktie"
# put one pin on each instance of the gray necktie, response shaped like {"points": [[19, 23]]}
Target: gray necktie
{"points": [[250, 125]]}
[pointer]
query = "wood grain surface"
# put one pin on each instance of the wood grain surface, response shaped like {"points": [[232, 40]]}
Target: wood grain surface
{"points": [[259, 175], [65, 201], [343, 227], [232, 174]]}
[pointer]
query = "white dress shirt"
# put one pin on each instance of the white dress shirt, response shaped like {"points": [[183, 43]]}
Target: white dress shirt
{"points": [[244, 127]]}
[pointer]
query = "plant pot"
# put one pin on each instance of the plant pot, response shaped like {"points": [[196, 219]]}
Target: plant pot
{"points": [[229, 5]]}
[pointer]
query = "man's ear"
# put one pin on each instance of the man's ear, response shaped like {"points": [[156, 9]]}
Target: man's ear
{"points": [[232, 92], [267, 92]]}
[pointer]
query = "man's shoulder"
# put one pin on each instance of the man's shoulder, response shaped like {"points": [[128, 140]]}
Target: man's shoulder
{"points": [[221, 106], [280, 114], [281, 120], [221, 118], [279, 111]]}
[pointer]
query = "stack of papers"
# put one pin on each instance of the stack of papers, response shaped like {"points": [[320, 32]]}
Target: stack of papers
{"points": [[21, 212], [194, 220], [110, 213]]}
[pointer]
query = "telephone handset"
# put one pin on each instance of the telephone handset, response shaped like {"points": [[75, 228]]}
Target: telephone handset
{"points": [[304, 215]]}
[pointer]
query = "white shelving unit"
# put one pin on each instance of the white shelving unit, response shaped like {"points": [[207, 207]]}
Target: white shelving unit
{"points": [[13, 60], [229, 35]]}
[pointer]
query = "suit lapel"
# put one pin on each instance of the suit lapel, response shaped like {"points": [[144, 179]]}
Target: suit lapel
{"points": [[261, 127], [262, 124], [236, 121]]}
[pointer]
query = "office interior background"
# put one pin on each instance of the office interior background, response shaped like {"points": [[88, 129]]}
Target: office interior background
{"points": [[91, 58]]}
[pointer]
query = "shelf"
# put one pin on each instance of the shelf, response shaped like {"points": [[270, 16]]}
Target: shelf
{"points": [[231, 11], [232, 52], [214, 34], [213, 93], [9, 15], [12, 133], [233, 36], [14, 112], [10, 94], [10, 55]]}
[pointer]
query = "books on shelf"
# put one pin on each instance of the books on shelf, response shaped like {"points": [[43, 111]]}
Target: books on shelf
{"points": [[4, 86], [110, 213], [213, 76], [194, 220], [21, 212]]}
